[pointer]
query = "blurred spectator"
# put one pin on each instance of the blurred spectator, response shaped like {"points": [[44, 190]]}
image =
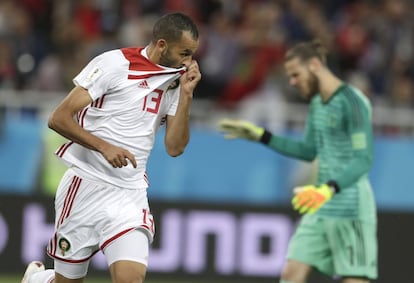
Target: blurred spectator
{"points": [[49, 74], [136, 30], [219, 54], [360, 80], [21, 44], [402, 91], [352, 39], [44, 43], [189, 7], [391, 33], [261, 39], [7, 66]]}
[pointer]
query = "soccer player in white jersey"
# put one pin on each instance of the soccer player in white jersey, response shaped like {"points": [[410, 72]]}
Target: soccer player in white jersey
{"points": [[110, 118]]}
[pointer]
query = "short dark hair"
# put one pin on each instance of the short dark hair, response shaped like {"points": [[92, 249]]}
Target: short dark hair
{"points": [[171, 27], [307, 50]]}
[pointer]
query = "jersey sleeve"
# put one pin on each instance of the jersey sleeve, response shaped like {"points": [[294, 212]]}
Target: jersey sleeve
{"points": [[359, 126], [301, 149], [175, 97], [99, 75]]}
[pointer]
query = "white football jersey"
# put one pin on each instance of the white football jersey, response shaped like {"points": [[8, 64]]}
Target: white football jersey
{"points": [[131, 98]]}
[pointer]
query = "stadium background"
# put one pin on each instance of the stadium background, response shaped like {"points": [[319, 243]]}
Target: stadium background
{"points": [[204, 200]]}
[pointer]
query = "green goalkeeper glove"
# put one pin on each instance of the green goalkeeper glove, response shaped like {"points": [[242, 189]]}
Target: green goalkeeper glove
{"points": [[309, 199], [234, 129]]}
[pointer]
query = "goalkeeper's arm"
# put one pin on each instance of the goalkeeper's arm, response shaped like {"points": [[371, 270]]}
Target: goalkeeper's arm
{"points": [[234, 129], [244, 129]]}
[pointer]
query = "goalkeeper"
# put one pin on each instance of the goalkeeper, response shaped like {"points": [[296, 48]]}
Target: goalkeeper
{"points": [[337, 234]]}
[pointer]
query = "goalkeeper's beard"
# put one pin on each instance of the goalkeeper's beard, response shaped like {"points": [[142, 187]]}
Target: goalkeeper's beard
{"points": [[313, 87]]}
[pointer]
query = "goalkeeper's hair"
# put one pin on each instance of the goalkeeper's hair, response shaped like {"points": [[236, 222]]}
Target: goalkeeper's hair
{"points": [[307, 50]]}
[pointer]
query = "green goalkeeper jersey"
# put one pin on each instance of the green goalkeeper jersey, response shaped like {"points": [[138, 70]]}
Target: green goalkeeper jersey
{"points": [[338, 133]]}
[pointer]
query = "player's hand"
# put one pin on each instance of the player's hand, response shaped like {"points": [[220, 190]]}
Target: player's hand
{"points": [[234, 129], [309, 199], [190, 78], [118, 157]]}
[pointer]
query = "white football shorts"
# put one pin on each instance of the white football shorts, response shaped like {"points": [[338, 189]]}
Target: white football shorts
{"points": [[91, 215]]}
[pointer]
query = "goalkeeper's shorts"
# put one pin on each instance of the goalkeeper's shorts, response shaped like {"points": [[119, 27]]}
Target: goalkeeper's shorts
{"points": [[343, 247]]}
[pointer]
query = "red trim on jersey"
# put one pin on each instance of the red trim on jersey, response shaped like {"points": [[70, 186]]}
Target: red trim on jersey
{"points": [[101, 101], [137, 62], [97, 103], [61, 150], [81, 116], [146, 76], [146, 179], [110, 240]]}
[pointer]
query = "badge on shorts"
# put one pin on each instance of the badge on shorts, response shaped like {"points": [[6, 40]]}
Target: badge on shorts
{"points": [[64, 245]]}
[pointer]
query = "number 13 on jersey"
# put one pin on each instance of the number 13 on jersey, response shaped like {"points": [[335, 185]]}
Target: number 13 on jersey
{"points": [[152, 101]]}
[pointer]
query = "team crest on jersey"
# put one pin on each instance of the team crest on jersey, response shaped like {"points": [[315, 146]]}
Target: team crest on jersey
{"points": [[174, 84], [333, 121], [64, 245]]}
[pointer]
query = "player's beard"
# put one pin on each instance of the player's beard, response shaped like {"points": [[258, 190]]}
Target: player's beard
{"points": [[167, 60]]}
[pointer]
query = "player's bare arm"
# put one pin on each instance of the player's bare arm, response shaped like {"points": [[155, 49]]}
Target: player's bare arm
{"points": [[62, 121], [178, 126]]}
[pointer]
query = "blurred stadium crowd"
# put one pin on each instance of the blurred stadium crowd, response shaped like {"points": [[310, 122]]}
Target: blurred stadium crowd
{"points": [[44, 43]]}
